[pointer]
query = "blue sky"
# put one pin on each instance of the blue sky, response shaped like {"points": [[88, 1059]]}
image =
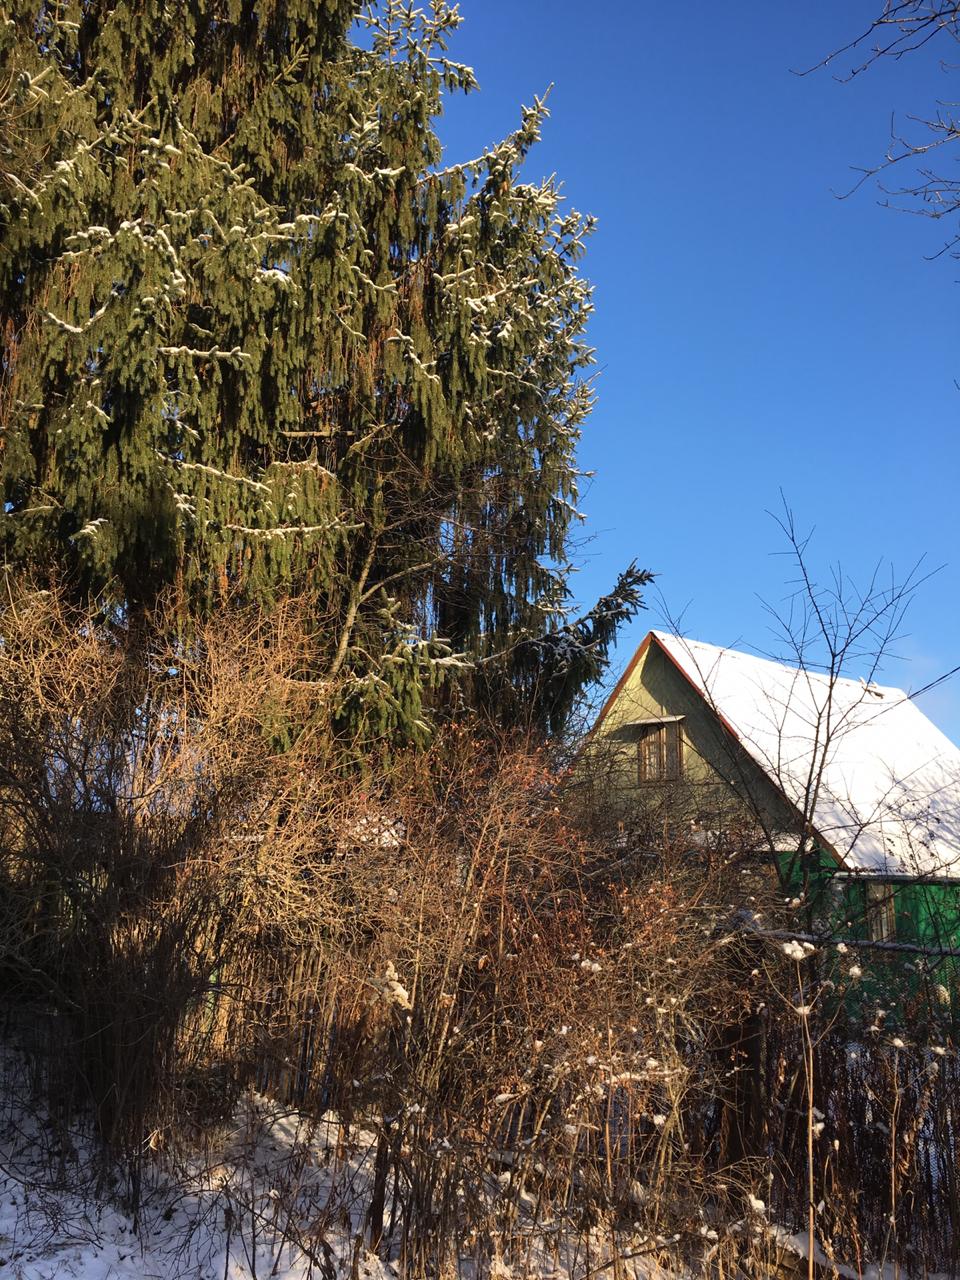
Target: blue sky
{"points": [[753, 332]]}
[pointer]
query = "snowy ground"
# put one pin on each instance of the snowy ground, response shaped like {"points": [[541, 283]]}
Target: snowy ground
{"points": [[234, 1213], [278, 1197]]}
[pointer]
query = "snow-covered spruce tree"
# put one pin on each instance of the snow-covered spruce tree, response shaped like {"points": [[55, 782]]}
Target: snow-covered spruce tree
{"points": [[259, 340]]}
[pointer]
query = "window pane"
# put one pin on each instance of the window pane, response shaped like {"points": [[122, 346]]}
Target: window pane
{"points": [[881, 913], [671, 735], [651, 756]]}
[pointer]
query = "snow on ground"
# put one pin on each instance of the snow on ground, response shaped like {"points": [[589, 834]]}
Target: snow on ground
{"points": [[255, 1206], [277, 1197], [797, 1244]]}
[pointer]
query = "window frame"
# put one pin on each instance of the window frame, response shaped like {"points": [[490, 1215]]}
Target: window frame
{"points": [[881, 911], [660, 751]]}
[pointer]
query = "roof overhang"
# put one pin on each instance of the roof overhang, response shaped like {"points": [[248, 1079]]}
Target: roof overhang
{"points": [[651, 722]]}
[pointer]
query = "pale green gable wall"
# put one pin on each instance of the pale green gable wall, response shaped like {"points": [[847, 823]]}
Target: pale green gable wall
{"points": [[721, 786]]}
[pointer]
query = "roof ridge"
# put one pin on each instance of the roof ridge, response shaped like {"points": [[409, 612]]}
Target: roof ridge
{"points": [[782, 665]]}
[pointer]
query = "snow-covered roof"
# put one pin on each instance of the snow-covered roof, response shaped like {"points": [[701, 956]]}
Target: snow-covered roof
{"points": [[888, 799]]}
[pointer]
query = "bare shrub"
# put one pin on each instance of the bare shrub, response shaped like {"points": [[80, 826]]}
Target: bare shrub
{"points": [[139, 774], [532, 1024], [201, 890], [529, 1032]]}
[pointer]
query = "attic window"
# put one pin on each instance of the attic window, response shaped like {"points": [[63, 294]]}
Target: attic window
{"points": [[659, 750]]}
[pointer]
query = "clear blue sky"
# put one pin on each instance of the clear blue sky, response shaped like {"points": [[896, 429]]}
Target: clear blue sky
{"points": [[753, 332]]}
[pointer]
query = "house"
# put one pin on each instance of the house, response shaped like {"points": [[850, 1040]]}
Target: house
{"points": [[845, 786]]}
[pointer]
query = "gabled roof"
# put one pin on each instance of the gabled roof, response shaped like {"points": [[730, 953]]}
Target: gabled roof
{"points": [[879, 780]]}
